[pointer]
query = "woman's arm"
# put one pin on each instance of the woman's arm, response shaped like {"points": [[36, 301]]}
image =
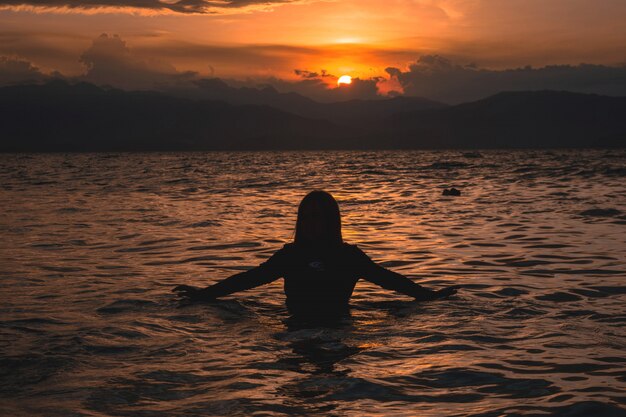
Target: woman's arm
{"points": [[390, 280], [265, 273], [393, 281]]}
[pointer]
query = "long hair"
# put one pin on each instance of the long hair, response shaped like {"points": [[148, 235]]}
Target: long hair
{"points": [[319, 220]]}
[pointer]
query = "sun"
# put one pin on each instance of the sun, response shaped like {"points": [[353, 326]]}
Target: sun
{"points": [[344, 79]]}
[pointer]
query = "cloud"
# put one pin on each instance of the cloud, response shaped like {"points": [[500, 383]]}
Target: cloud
{"points": [[391, 86], [110, 61], [143, 6], [438, 78], [320, 86], [18, 71], [306, 74]]}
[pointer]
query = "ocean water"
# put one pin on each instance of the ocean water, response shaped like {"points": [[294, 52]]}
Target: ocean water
{"points": [[92, 244]]}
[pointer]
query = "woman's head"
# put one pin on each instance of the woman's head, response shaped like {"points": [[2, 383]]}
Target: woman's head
{"points": [[319, 221]]}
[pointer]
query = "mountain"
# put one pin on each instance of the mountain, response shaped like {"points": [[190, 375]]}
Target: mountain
{"points": [[528, 119], [82, 117], [355, 113]]}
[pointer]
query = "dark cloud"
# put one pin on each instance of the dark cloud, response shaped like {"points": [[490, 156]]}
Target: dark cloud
{"points": [[393, 72], [310, 74], [320, 86], [391, 86], [176, 6], [438, 78], [18, 71], [306, 74], [110, 61]]}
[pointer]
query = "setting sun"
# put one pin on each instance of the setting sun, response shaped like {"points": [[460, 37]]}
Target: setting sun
{"points": [[344, 79]]}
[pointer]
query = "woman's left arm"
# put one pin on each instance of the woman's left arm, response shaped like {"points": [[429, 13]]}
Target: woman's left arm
{"points": [[397, 282], [391, 280]]}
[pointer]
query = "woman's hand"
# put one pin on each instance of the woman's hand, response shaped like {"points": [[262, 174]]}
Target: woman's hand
{"points": [[188, 292], [445, 292], [429, 295]]}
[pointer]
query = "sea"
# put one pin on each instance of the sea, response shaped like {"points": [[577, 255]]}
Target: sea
{"points": [[91, 246]]}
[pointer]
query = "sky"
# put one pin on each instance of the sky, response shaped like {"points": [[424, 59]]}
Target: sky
{"points": [[451, 50]]}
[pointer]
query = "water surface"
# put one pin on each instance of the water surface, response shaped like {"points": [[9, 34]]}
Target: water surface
{"points": [[93, 243]]}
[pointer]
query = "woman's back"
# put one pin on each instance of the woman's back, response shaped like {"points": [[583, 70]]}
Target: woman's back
{"points": [[318, 278]]}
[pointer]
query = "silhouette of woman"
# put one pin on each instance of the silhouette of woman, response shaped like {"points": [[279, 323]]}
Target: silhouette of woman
{"points": [[319, 269]]}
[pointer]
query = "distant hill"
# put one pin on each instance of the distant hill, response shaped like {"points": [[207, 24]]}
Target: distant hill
{"points": [[529, 119], [61, 117], [350, 113], [82, 117]]}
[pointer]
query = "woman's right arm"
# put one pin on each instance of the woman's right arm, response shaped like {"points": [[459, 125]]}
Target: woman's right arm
{"points": [[265, 273]]}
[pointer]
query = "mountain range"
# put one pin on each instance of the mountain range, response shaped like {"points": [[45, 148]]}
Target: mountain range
{"points": [[61, 116]]}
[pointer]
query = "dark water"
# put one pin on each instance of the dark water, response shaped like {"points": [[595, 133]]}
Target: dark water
{"points": [[92, 244]]}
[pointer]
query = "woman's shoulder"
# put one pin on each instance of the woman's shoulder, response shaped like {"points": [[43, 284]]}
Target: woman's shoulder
{"points": [[289, 246], [353, 255], [355, 251], [351, 246], [281, 256]]}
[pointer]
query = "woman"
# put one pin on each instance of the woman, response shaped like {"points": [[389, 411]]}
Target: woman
{"points": [[319, 269]]}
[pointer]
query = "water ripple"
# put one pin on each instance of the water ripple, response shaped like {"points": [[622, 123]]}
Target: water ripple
{"points": [[93, 243]]}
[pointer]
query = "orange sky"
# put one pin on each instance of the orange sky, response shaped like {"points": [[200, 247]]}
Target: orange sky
{"points": [[355, 37]]}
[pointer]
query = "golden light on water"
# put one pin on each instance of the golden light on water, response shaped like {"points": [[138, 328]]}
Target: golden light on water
{"points": [[125, 229]]}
